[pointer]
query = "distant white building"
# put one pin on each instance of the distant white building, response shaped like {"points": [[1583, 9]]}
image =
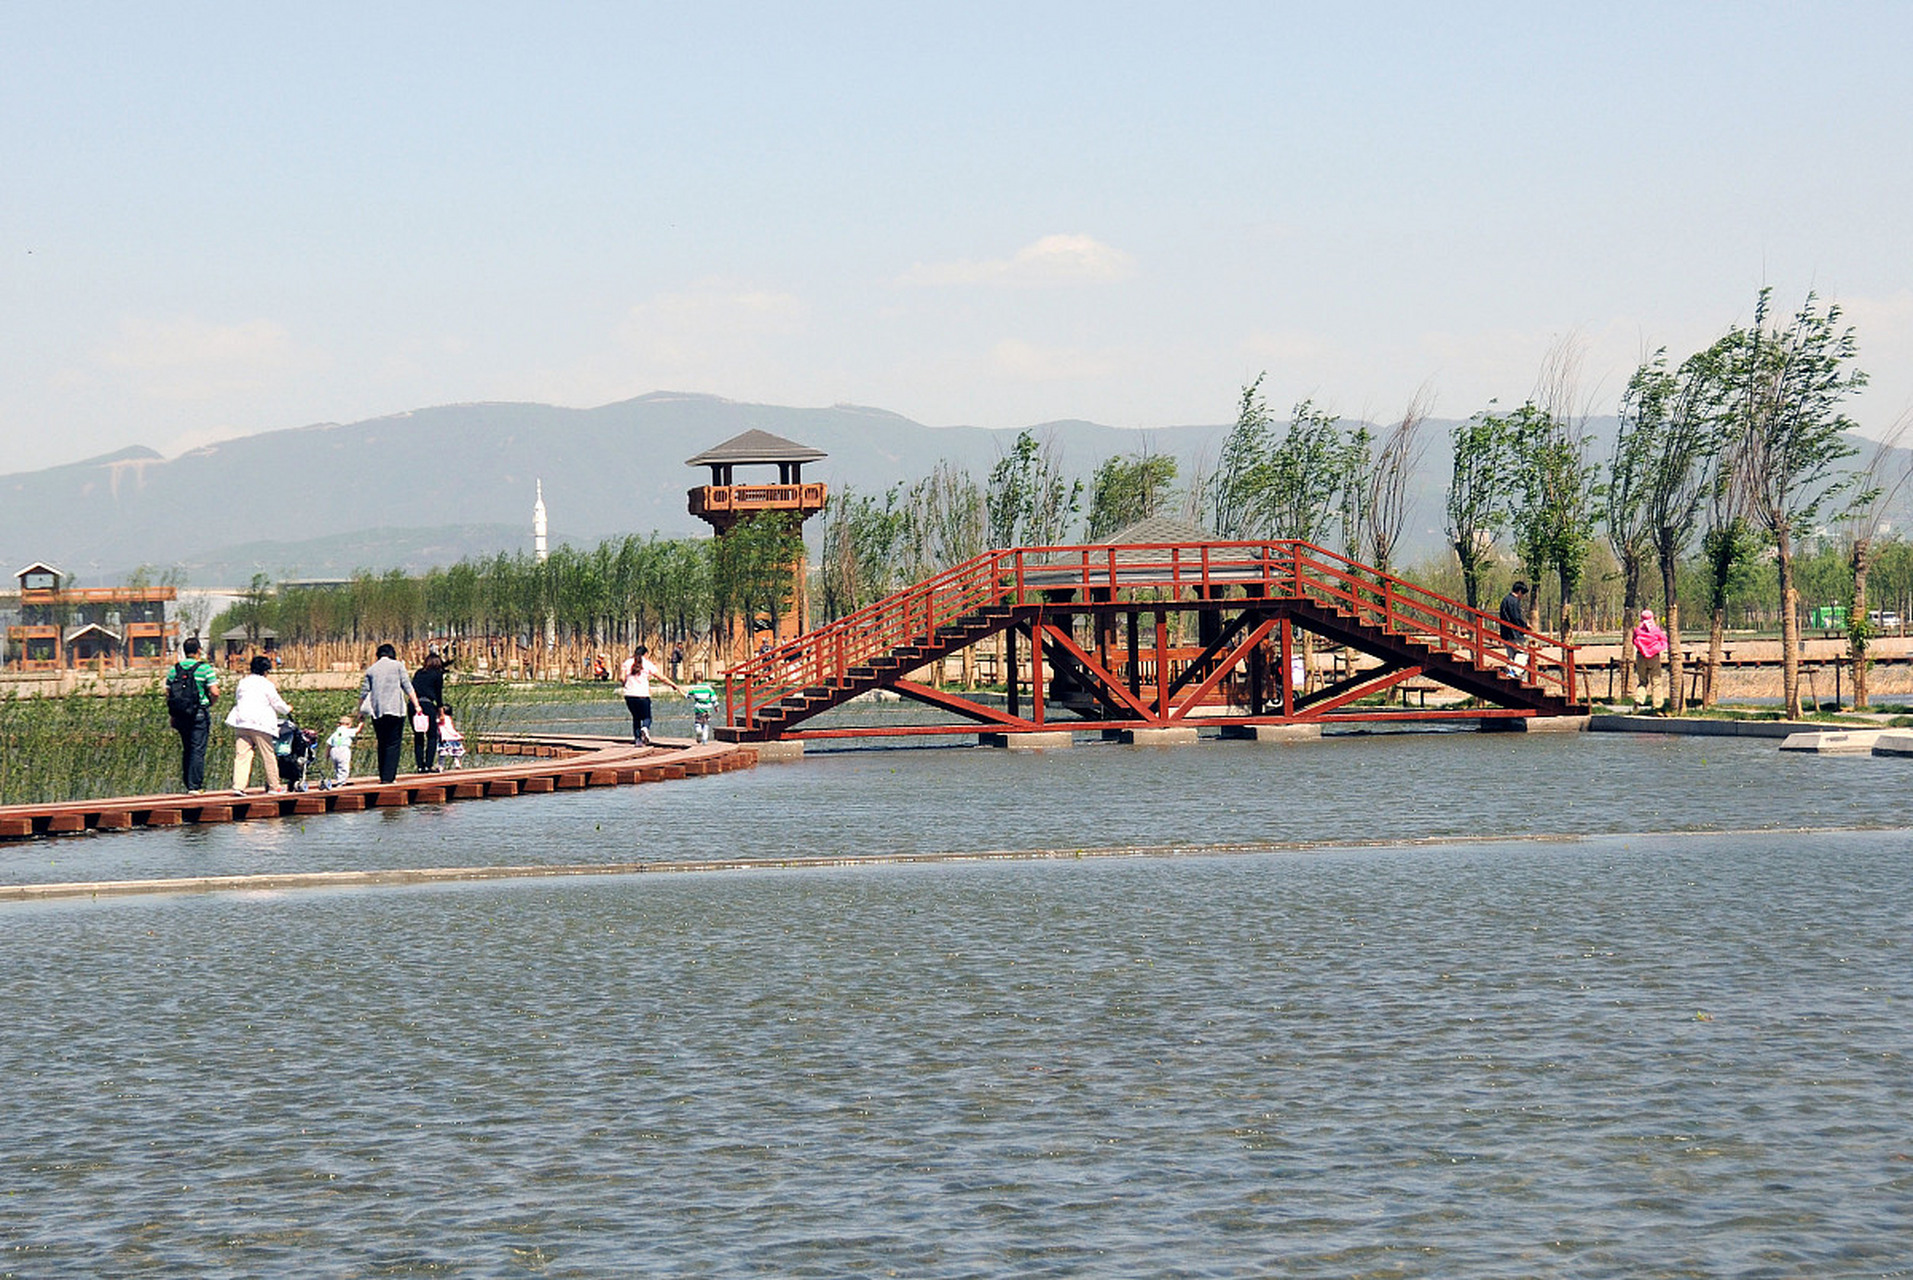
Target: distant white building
{"points": [[539, 548]]}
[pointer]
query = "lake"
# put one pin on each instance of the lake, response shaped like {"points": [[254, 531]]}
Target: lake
{"points": [[1450, 1004]]}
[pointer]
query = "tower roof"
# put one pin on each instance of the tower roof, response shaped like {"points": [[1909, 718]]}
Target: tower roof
{"points": [[755, 446]]}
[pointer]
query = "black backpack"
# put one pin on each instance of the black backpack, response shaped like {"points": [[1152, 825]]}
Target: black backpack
{"points": [[182, 694]]}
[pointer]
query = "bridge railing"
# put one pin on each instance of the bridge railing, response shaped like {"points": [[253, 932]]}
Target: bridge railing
{"points": [[1407, 609], [1133, 573]]}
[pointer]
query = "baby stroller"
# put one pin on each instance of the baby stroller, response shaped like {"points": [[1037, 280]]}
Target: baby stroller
{"points": [[296, 749]]}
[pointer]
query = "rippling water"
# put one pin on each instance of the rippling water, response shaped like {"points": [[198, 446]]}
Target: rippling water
{"points": [[1619, 1054]]}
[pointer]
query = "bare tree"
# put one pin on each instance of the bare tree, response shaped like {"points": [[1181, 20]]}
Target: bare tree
{"points": [[1387, 500]]}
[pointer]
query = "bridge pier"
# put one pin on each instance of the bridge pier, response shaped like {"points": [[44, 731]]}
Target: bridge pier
{"points": [[1178, 736], [1048, 740]]}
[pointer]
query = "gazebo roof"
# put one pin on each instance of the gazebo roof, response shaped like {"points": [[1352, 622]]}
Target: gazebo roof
{"points": [[74, 633], [39, 567], [242, 633], [1157, 529], [755, 446]]}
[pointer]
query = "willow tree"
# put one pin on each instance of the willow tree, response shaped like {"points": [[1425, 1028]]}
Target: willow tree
{"points": [[1687, 436], [1550, 510], [1623, 498], [1788, 382], [1129, 487], [752, 572], [1306, 478], [1474, 504], [1879, 483], [1030, 502], [1234, 490], [950, 507], [860, 560]]}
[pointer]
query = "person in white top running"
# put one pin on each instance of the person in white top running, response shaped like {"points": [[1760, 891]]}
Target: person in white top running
{"points": [[637, 672]]}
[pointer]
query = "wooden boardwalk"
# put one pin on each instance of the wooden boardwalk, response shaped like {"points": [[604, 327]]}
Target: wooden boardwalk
{"points": [[544, 765]]}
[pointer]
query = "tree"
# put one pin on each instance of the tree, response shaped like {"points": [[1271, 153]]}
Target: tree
{"points": [[1386, 485], [1295, 487], [1623, 501], [752, 571], [1241, 472], [251, 607], [1683, 413], [1475, 502], [1550, 512], [1030, 503], [1879, 484], [1787, 385], [954, 515], [862, 535], [1129, 487]]}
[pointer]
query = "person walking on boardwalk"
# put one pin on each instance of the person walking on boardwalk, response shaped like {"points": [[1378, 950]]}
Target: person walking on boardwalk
{"points": [[1514, 620], [384, 694], [254, 720], [637, 672], [428, 682], [192, 686], [1650, 642]]}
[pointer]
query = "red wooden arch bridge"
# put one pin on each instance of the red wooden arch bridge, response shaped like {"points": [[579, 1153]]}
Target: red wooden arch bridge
{"points": [[1100, 617]]}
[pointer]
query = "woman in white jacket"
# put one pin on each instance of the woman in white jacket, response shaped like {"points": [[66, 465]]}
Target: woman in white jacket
{"points": [[254, 720]]}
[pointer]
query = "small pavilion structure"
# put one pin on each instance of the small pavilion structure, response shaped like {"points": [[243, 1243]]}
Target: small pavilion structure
{"points": [[724, 503]]}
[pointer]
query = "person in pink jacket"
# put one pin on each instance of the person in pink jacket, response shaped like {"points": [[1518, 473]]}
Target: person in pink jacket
{"points": [[1650, 642]]}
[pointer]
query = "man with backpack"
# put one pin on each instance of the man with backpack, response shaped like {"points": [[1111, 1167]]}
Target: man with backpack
{"points": [[192, 686]]}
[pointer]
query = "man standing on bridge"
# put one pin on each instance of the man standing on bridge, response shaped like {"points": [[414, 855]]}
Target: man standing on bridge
{"points": [[1514, 620], [191, 689]]}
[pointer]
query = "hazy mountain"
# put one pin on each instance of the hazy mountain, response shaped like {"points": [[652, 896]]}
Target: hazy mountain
{"points": [[434, 485]]}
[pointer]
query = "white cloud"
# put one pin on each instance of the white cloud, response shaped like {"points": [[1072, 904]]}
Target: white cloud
{"points": [[1057, 259], [1286, 347], [719, 336], [190, 359], [1032, 363], [681, 329]]}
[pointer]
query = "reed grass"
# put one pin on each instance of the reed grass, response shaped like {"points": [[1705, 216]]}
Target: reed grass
{"points": [[89, 746]]}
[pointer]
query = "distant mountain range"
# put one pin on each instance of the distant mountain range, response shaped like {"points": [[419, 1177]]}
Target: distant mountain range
{"points": [[431, 486]]}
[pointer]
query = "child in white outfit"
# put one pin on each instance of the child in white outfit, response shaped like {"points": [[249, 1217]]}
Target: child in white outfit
{"points": [[338, 749]]}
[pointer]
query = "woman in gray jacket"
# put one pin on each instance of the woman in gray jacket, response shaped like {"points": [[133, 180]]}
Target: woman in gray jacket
{"points": [[383, 695]]}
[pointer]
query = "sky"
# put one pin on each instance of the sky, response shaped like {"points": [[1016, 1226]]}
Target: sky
{"points": [[220, 219]]}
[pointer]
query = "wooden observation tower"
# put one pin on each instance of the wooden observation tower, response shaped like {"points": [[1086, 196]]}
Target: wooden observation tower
{"points": [[724, 502]]}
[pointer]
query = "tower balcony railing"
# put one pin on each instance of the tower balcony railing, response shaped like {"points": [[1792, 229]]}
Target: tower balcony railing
{"points": [[720, 498]]}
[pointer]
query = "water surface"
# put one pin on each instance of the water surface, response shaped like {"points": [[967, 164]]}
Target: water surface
{"points": [[1612, 1054]]}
